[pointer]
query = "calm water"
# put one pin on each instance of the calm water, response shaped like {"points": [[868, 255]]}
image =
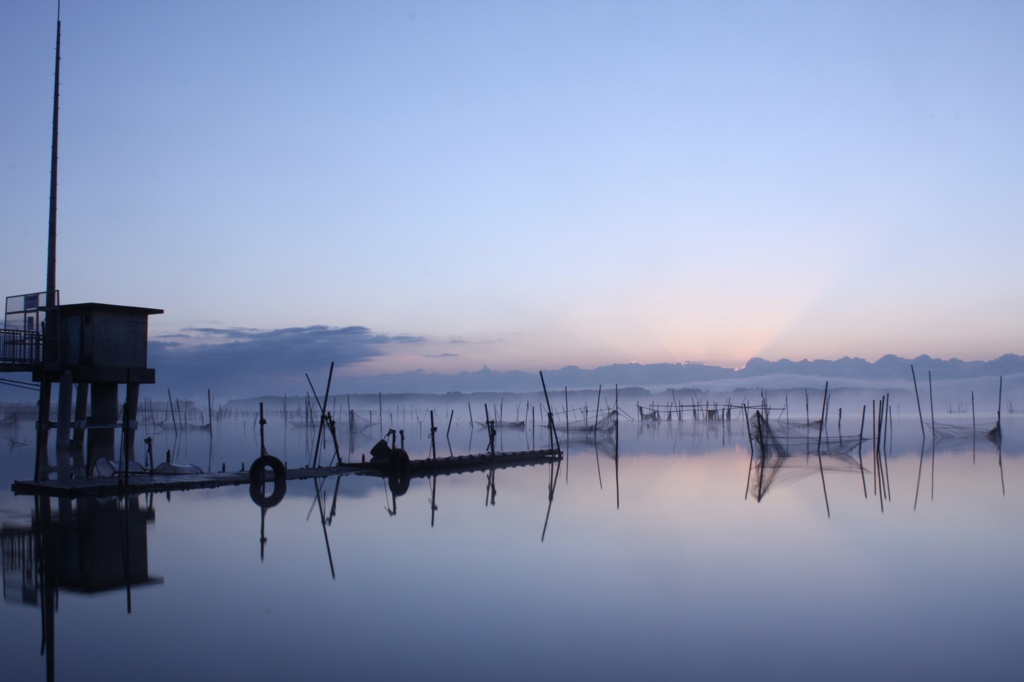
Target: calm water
{"points": [[656, 568]]}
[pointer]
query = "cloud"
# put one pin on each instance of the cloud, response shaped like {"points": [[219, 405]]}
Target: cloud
{"points": [[242, 361]]}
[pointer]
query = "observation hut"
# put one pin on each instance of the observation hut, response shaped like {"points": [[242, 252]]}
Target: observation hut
{"points": [[95, 349], [91, 348]]}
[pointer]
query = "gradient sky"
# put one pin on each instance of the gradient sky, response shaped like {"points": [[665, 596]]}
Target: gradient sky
{"points": [[526, 185]]}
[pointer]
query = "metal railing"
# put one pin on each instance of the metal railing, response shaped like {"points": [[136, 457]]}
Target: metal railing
{"points": [[20, 348]]}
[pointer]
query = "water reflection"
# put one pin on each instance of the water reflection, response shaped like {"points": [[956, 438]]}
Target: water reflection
{"points": [[677, 572], [89, 546]]}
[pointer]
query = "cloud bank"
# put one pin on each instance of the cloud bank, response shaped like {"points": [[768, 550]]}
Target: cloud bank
{"points": [[237, 362], [240, 363]]}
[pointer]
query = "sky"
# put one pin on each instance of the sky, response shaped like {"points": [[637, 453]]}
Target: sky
{"points": [[527, 185]]}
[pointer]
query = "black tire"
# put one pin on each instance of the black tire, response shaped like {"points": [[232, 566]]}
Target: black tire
{"points": [[399, 473], [258, 480]]}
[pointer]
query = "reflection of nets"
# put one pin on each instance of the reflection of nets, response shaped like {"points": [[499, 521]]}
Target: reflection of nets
{"points": [[987, 430], [788, 449], [358, 421]]}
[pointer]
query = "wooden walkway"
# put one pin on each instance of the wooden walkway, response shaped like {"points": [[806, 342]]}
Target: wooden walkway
{"points": [[135, 484]]}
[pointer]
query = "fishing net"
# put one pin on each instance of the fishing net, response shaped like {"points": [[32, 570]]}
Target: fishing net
{"points": [[952, 432], [788, 450]]}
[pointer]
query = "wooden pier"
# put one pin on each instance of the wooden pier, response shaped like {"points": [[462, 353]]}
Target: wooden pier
{"points": [[135, 484]]}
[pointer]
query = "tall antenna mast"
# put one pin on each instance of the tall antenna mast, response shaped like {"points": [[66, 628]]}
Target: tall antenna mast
{"points": [[50, 335], [51, 251]]}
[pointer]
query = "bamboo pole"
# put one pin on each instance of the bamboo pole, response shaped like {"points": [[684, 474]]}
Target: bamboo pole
{"points": [[860, 442], [931, 407], [887, 418], [821, 466], [918, 397], [750, 442]]}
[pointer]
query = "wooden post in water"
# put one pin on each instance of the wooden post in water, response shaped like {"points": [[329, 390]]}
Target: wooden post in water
{"points": [[840, 428], [931, 407], [918, 397], [821, 424], [887, 418], [760, 441], [616, 446], [974, 433], [552, 432], [860, 442], [821, 467], [567, 434], [750, 441], [999, 411]]}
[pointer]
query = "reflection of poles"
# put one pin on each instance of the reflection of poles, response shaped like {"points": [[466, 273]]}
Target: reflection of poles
{"points": [[999, 453], [920, 468], [323, 524], [126, 552], [433, 498], [46, 555], [552, 482], [392, 509], [492, 489], [334, 502], [263, 531]]}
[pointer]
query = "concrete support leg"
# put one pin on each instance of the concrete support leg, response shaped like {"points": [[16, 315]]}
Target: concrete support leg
{"points": [[64, 425], [131, 402], [43, 431], [100, 442], [81, 414]]}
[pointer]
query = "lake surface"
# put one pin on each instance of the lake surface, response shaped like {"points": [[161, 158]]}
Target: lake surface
{"points": [[649, 566]]}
